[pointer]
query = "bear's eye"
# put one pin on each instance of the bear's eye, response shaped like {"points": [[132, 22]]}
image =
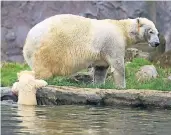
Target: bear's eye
{"points": [[151, 32]]}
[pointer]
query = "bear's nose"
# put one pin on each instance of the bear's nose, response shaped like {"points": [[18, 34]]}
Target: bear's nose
{"points": [[157, 44]]}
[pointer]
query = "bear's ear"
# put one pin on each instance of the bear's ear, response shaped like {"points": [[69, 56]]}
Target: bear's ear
{"points": [[139, 22]]}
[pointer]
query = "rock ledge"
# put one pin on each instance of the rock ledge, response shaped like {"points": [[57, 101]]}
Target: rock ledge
{"points": [[64, 95]]}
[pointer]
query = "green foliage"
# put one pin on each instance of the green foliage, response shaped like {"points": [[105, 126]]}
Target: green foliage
{"points": [[9, 70]]}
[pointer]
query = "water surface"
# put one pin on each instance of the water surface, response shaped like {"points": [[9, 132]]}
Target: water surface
{"points": [[82, 120]]}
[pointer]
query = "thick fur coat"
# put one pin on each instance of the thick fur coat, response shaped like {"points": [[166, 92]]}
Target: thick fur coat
{"points": [[26, 87], [64, 44]]}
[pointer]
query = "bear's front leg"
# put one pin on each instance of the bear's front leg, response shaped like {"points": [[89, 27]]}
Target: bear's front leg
{"points": [[119, 77], [118, 68], [99, 74], [40, 83]]}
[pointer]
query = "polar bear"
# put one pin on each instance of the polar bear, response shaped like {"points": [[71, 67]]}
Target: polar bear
{"points": [[26, 87], [64, 44]]}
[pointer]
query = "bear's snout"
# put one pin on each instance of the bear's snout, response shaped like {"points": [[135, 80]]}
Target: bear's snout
{"points": [[157, 44]]}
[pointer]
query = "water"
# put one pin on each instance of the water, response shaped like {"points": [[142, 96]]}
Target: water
{"points": [[83, 120]]}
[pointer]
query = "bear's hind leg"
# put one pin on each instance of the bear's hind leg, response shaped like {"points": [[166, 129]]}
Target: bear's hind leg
{"points": [[99, 74], [118, 68]]}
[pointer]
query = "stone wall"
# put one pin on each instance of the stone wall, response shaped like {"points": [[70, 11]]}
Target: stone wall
{"points": [[19, 17]]}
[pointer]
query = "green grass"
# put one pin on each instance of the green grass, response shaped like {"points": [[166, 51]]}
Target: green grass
{"points": [[9, 70], [159, 83], [63, 81]]}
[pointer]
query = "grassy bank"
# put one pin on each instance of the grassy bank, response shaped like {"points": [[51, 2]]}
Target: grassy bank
{"points": [[9, 70]]}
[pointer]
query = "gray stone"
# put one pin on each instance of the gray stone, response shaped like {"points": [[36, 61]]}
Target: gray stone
{"points": [[15, 51], [131, 53], [4, 90], [17, 58], [146, 72], [4, 44], [10, 36], [8, 24], [144, 55], [4, 56], [21, 30], [82, 77]]}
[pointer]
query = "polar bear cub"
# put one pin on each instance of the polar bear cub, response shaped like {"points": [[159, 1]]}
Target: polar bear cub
{"points": [[26, 87]]}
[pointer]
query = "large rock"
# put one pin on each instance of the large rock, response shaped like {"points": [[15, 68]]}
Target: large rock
{"points": [[146, 73], [61, 95]]}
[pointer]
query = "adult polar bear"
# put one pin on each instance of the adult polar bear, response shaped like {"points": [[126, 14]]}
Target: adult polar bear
{"points": [[64, 44]]}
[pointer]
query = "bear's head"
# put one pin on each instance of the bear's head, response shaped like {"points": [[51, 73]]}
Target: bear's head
{"points": [[22, 76], [25, 74], [148, 32]]}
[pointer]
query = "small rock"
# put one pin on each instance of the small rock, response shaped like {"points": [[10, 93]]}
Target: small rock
{"points": [[10, 36], [85, 77], [146, 72], [131, 53], [144, 55]]}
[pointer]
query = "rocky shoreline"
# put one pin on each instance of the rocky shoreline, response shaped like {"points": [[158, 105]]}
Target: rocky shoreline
{"points": [[64, 95]]}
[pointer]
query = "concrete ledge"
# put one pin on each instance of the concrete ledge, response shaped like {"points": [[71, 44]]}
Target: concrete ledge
{"points": [[63, 95]]}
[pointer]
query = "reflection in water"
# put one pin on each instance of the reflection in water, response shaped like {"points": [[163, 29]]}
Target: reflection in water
{"points": [[83, 120]]}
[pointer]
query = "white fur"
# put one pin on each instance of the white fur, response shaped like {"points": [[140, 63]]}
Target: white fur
{"points": [[69, 43], [26, 88]]}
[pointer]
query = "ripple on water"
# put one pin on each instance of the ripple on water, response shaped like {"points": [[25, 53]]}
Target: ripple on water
{"points": [[82, 120]]}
